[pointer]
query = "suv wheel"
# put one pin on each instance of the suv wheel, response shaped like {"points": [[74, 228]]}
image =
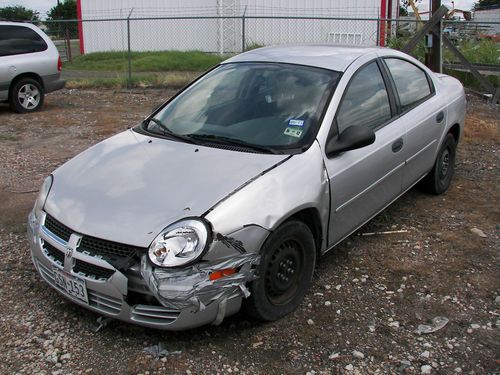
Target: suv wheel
{"points": [[26, 96]]}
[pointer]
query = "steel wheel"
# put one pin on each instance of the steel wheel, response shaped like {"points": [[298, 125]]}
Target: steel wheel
{"points": [[438, 180], [284, 273]]}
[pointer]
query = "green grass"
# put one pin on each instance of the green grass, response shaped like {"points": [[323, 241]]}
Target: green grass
{"points": [[160, 61], [172, 80], [480, 52], [468, 80]]}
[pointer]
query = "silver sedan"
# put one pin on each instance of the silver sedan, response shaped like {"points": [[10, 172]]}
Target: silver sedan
{"points": [[226, 195]]}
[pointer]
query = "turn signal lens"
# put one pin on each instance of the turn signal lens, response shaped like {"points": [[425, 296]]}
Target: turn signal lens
{"points": [[221, 273]]}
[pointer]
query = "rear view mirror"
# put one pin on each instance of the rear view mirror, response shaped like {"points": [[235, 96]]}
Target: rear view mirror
{"points": [[352, 138]]}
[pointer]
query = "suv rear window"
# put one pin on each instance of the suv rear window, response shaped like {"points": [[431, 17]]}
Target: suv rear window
{"points": [[16, 40]]}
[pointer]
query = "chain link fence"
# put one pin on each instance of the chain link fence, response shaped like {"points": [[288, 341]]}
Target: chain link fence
{"points": [[131, 47]]}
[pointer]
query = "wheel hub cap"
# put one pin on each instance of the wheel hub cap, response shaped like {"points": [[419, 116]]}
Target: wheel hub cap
{"points": [[29, 96]]}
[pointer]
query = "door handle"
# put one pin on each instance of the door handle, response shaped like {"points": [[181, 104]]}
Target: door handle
{"points": [[440, 117], [397, 145]]}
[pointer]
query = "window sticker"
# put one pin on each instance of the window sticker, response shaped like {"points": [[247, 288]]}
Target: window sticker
{"points": [[295, 122], [292, 132]]}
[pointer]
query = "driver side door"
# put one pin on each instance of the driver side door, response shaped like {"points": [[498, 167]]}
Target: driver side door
{"points": [[365, 180]]}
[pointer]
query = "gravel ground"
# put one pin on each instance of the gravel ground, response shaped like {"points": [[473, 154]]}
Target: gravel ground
{"points": [[368, 298]]}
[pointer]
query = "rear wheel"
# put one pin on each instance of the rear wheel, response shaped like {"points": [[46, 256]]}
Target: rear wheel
{"points": [[438, 180], [284, 273], [26, 96]]}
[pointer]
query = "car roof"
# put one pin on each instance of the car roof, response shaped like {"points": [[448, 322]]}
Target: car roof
{"points": [[17, 23], [323, 56]]}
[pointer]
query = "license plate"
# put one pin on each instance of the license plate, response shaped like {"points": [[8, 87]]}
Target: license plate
{"points": [[72, 285]]}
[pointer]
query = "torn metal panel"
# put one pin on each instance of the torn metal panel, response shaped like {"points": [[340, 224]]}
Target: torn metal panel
{"points": [[191, 287], [245, 240]]}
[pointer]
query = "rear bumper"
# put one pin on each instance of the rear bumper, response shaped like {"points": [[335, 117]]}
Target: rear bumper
{"points": [[109, 297], [53, 82]]}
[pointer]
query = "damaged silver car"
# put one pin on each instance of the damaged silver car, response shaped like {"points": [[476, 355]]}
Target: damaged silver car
{"points": [[227, 194]]}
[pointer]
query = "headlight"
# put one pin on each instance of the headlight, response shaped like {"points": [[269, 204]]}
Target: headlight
{"points": [[42, 195], [180, 243]]}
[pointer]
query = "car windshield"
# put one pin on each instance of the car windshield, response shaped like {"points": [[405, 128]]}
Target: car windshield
{"points": [[261, 106]]}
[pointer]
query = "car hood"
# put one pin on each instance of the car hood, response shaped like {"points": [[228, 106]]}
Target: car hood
{"points": [[131, 186]]}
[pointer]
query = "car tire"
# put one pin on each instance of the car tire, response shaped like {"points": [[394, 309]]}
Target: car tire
{"points": [[438, 180], [284, 273], [26, 95]]}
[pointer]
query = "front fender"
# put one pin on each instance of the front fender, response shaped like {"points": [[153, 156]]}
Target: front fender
{"points": [[300, 182]]}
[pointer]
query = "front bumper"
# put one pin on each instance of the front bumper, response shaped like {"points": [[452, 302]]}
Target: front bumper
{"points": [[109, 296]]}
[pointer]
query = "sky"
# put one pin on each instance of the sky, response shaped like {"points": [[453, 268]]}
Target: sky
{"points": [[43, 6]]}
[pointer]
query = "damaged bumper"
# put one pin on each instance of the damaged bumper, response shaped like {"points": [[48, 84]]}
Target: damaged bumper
{"points": [[170, 299], [192, 288]]}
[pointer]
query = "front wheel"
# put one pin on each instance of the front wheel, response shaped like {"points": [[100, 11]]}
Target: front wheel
{"points": [[438, 180], [284, 273], [26, 96]]}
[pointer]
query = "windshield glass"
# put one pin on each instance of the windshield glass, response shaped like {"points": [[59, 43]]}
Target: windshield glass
{"points": [[267, 105]]}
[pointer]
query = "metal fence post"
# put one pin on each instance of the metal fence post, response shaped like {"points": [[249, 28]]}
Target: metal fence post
{"points": [[68, 45], [378, 29], [129, 80], [243, 37]]}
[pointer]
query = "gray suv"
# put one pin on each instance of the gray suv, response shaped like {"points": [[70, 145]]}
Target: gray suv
{"points": [[30, 66]]}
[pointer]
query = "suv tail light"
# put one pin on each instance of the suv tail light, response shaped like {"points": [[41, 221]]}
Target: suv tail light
{"points": [[59, 64]]}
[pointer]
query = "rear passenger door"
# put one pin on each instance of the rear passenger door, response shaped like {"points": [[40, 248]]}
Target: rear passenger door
{"points": [[422, 115]]}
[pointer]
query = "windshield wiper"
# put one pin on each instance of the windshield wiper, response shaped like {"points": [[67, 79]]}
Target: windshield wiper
{"points": [[233, 141], [169, 133]]}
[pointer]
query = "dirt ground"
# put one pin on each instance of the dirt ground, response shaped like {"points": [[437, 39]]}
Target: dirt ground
{"points": [[368, 297]]}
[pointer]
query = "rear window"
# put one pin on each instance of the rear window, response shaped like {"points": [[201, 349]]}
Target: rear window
{"points": [[17, 40]]}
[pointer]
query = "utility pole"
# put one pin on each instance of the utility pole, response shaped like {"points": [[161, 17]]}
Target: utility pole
{"points": [[435, 62]]}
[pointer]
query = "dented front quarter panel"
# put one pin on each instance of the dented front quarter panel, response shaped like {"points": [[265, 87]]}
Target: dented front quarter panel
{"points": [[298, 183]]}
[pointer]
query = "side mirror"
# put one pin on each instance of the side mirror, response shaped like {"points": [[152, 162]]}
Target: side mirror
{"points": [[352, 138]]}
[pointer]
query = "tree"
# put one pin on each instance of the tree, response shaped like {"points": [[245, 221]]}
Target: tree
{"points": [[65, 10], [403, 11], [18, 12], [486, 3]]}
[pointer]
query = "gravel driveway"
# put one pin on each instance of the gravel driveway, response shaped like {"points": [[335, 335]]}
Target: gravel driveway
{"points": [[368, 298]]}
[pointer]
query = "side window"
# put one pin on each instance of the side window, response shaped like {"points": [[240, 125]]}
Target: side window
{"points": [[411, 82], [16, 40], [365, 102]]}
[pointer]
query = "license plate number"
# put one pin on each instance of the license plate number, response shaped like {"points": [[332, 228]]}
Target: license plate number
{"points": [[72, 285]]}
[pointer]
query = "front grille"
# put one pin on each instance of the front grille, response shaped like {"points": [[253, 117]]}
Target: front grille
{"points": [[118, 254], [54, 253], [59, 229], [107, 249], [91, 270]]}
